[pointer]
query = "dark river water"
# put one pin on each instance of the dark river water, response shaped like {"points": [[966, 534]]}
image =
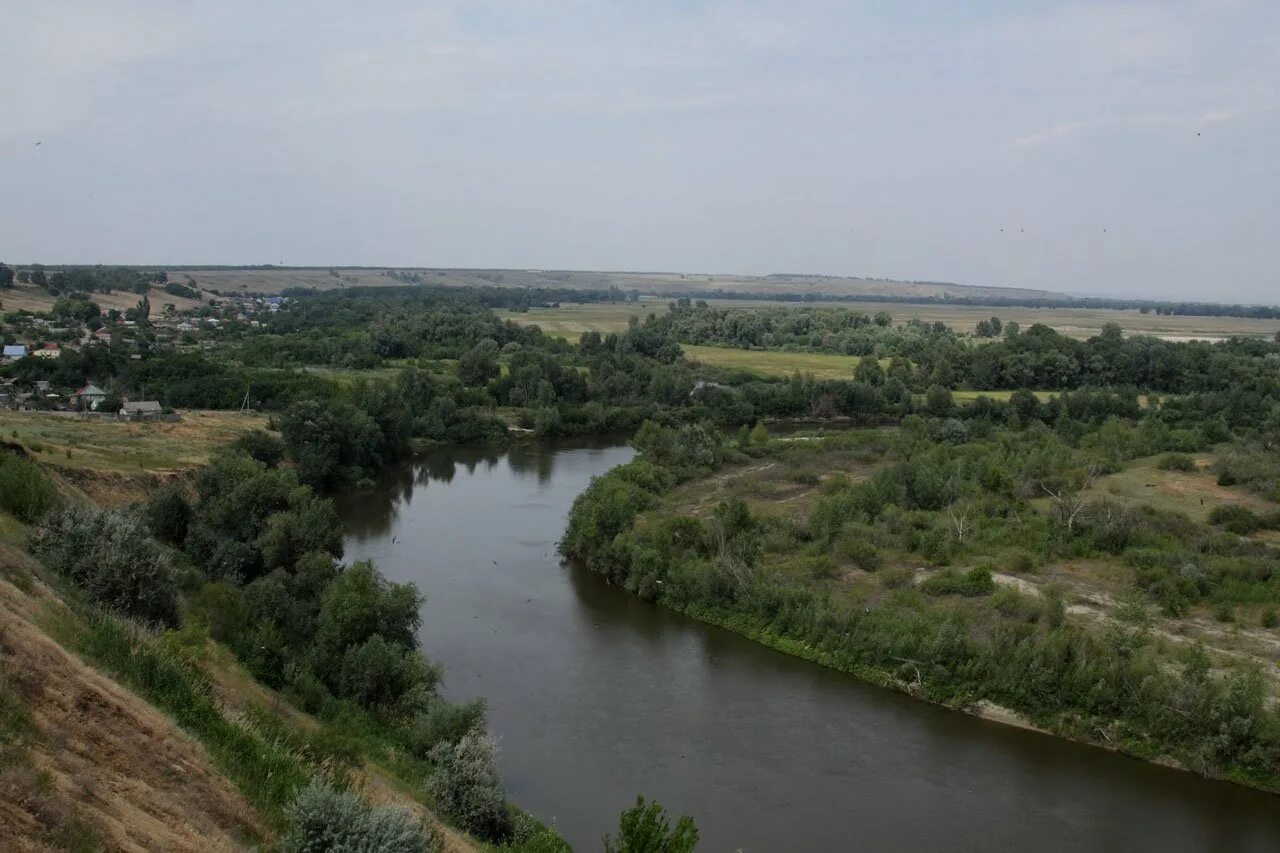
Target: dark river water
{"points": [[597, 696]]}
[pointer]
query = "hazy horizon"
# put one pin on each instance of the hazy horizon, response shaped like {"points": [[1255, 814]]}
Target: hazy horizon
{"points": [[1126, 149]]}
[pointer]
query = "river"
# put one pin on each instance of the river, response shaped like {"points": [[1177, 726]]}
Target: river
{"points": [[597, 696]]}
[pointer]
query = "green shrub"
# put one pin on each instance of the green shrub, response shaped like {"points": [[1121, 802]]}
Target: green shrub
{"points": [[1022, 563], [896, 577], [646, 829], [1016, 604], [326, 820], [859, 550], [263, 446], [26, 492], [1176, 462], [466, 787], [1270, 618], [977, 581], [443, 722], [168, 514], [806, 477], [112, 558], [1235, 518]]}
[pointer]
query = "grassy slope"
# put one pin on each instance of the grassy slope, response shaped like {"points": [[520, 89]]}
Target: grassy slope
{"points": [[96, 763], [109, 462], [236, 737], [25, 297]]}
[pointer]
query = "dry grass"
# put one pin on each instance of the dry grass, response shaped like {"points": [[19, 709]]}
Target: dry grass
{"points": [[1192, 493], [100, 763], [37, 299], [76, 444]]}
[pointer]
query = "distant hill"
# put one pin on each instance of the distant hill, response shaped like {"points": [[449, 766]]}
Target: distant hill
{"points": [[275, 279]]}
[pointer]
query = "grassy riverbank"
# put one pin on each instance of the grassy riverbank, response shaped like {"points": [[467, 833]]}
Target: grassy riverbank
{"points": [[831, 550]]}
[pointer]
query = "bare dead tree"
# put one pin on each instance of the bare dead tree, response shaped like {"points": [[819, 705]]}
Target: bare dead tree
{"points": [[1069, 499], [960, 514]]}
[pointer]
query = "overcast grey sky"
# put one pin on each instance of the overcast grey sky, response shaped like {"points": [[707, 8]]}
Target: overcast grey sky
{"points": [[891, 138]]}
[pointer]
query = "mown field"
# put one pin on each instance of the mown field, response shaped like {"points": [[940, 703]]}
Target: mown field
{"points": [[570, 321]]}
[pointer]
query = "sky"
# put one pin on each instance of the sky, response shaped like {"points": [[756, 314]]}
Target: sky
{"points": [[1125, 148]]}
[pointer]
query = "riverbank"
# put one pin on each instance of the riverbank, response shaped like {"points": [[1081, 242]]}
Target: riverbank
{"points": [[965, 606], [254, 738]]}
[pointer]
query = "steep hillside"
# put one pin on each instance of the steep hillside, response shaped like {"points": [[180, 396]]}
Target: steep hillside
{"points": [[88, 761]]}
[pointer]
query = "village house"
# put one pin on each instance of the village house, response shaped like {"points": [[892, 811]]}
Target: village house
{"points": [[48, 351], [13, 352], [142, 410], [88, 398]]}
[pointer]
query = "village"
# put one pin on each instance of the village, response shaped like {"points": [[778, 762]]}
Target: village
{"points": [[52, 361]]}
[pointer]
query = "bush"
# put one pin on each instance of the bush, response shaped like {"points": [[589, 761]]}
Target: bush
{"points": [[977, 581], [263, 446], [646, 829], [443, 722], [25, 492], [168, 515], [1236, 519], [113, 559], [1270, 618], [466, 787], [1176, 462], [859, 550], [326, 820], [1022, 563], [378, 673]]}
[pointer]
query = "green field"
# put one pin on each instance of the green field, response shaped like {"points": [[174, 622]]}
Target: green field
{"points": [[772, 363]]}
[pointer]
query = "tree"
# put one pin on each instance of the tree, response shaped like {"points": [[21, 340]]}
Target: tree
{"points": [[645, 828], [479, 364], [168, 515], [1068, 494], [6, 277], [361, 603], [937, 401]]}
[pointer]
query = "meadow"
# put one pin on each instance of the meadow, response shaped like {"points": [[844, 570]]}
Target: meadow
{"points": [[771, 363]]}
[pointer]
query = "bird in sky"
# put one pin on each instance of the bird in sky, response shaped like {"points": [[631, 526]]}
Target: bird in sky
{"points": [[39, 142]]}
